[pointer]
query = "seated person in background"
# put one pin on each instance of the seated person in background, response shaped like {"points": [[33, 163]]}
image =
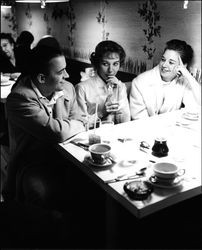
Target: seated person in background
{"points": [[23, 49], [104, 89], [42, 112], [7, 54], [7, 68], [168, 86]]}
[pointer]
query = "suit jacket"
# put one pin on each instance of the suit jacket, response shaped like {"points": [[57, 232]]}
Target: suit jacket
{"points": [[33, 131]]}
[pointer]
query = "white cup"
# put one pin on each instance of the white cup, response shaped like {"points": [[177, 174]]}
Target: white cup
{"points": [[100, 152], [167, 171]]}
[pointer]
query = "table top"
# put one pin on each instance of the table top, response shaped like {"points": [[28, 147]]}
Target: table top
{"points": [[6, 89], [184, 142]]}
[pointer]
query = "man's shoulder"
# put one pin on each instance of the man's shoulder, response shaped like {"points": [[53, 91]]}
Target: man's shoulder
{"points": [[68, 85], [68, 90], [23, 87]]}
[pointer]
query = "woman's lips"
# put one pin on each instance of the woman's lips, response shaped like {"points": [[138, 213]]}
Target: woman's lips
{"points": [[165, 71]]}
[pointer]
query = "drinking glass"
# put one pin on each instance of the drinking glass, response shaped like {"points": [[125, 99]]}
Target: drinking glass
{"points": [[106, 131]]}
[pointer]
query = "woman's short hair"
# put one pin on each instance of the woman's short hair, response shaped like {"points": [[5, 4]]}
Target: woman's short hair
{"points": [[106, 47], [184, 49], [8, 37]]}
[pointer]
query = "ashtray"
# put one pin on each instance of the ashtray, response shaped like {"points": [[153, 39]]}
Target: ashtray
{"points": [[138, 190]]}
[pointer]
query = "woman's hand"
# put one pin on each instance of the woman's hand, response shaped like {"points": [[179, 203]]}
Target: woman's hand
{"points": [[111, 106], [113, 81], [181, 69], [193, 84]]}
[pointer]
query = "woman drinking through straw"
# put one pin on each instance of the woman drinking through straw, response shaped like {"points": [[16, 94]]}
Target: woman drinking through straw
{"points": [[104, 88]]}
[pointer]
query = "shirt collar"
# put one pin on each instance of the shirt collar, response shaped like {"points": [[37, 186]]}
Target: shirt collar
{"points": [[54, 98]]}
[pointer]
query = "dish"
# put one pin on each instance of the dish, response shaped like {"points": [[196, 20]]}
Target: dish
{"points": [[153, 180], [90, 161], [191, 117], [138, 190], [4, 79], [6, 83]]}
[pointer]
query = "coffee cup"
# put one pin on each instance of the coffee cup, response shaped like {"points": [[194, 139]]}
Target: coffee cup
{"points": [[100, 152], [165, 171]]}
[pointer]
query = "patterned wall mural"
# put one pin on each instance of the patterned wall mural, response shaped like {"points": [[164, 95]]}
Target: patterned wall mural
{"points": [[141, 27]]}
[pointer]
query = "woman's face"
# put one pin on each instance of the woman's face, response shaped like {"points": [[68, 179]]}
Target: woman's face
{"points": [[168, 64], [7, 47], [109, 65]]}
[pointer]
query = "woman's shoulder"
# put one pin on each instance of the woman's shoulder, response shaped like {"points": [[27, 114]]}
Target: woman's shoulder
{"points": [[149, 75], [87, 83]]}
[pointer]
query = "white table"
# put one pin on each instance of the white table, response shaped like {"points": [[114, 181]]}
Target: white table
{"points": [[6, 89], [184, 150]]}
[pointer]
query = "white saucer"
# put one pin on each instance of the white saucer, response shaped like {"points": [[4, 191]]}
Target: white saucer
{"points": [[6, 83], [90, 161], [153, 180], [191, 117]]}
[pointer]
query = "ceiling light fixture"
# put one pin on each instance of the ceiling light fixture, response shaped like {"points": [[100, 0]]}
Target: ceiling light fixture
{"points": [[42, 2], [185, 6], [39, 1], [6, 4]]}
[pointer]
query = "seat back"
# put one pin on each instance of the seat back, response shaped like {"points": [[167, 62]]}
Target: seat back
{"points": [[128, 87]]}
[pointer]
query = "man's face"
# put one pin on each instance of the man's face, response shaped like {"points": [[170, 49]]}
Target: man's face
{"points": [[57, 73], [7, 47]]}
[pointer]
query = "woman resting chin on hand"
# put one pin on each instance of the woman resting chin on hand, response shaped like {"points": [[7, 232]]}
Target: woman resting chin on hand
{"points": [[167, 87]]}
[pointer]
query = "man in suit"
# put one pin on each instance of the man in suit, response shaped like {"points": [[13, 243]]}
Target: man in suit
{"points": [[42, 112]]}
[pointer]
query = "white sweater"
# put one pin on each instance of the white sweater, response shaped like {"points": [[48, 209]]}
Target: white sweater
{"points": [[150, 95]]}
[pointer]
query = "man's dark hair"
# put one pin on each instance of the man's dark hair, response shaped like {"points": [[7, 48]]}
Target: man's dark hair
{"points": [[40, 58], [106, 47]]}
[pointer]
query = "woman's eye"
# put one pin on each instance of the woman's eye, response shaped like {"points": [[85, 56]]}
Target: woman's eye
{"points": [[116, 64], [105, 64]]}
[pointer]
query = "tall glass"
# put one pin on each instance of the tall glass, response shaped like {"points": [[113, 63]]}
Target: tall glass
{"points": [[112, 100], [93, 134]]}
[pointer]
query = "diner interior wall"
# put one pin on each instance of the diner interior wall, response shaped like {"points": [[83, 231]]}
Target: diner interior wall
{"points": [[80, 25]]}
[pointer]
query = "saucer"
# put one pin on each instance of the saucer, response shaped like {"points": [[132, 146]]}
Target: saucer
{"points": [[155, 182], [6, 83], [191, 117], [90, 161]]}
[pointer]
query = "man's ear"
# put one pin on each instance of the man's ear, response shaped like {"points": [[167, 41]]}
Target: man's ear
{"points": [[41, 78]]}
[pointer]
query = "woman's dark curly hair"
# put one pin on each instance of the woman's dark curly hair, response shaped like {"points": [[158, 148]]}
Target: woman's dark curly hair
{"points": [[8, 37], [184, 49], [106, 47]]}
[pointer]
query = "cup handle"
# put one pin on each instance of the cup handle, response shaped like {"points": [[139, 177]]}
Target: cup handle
{"points": [[181, 172]]}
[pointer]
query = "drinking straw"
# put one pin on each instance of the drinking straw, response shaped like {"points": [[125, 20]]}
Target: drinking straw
{"points": [[96, 108]]}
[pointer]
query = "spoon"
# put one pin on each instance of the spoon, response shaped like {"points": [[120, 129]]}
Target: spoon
{"points": [[138, 174]]}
